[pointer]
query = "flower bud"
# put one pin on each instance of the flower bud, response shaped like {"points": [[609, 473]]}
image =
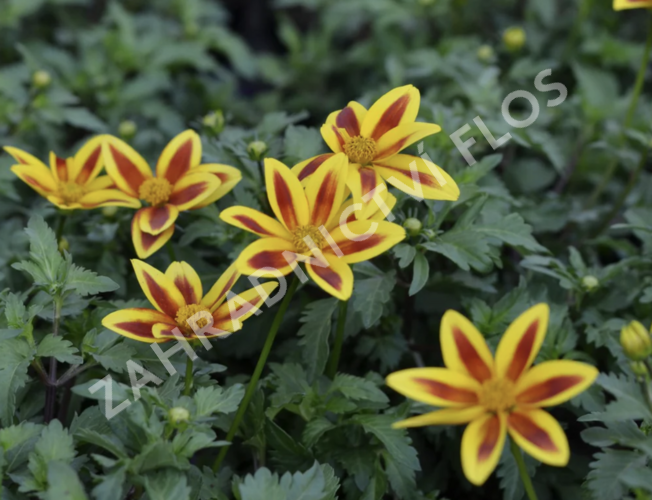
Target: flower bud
{"points": [[109, 211], [514, 38], [485, 53], [639, 369], [412, 226], [256, 150], [41, 79], [63, 244], [636, 341], [590, 282], [127, 129], [214, 121], [178, 414]]}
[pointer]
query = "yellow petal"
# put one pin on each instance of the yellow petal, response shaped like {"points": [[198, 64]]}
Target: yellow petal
{"points": [[161, 291], [436, 386], [540, 435], [482, 443], [447, 416]]}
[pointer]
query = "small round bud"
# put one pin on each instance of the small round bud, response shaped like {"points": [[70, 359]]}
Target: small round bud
{"points": [[127, 129], [109, 211], [41, 79], [485, 53], [178, 414], [590, 282], [639, 369], [412, 226], [214, 121], [256, 150], [63, 244], [514, 38], [636, 341]]}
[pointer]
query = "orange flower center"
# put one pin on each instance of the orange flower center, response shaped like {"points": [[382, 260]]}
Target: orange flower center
{"points": [[299, 239], [498, 395], [70, 192], [155, 191], [187, 312], [361, 150]]}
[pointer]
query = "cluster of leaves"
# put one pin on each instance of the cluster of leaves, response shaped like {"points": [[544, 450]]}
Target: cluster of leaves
{"points": [[534, 222]]}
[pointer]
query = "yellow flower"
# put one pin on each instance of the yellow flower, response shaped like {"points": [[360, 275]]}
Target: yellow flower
{"points": [[632, 4], [636, 341], [177, 296], [372, 140], [308, 228], [180, 184], [72, 183], [496, 395]]}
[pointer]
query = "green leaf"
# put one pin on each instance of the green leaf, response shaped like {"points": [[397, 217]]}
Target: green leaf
{"points": [[112, 486], [115, 357], [55, 444], [629, 404], [315, 335], [317, 483], [301, 143], [167, 485], [46, 261], [421, 273], [405, 253], [63, 483], [358, 389], [82, 118], [84, 282], [371, 294], [18, 441], [59, 348], [464, 248], [605, 478], [213, 399], [513, 231], [15, 357]]}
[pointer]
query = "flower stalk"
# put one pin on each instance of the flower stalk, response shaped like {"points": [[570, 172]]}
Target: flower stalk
{"points": [[522, 471], [334, 360], [253, 383]]}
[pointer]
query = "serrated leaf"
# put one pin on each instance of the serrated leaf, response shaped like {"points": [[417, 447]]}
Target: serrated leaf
{"points": [[115, 358], [605, 478], [315, 335], [59, 348], [210, 400], [85, 282], [15, 357], [167, 485], [55, 444], [63, 483], [370, 296], [358, 389]]}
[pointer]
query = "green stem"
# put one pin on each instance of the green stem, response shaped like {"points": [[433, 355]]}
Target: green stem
{"points": [[188, 381], [520, 463], [253, 383], [638, 86], [171, 253], [339, 340], [63, 217], [623, 196], [51, 389]]}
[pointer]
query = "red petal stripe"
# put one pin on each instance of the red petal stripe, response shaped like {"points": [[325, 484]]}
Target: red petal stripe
{"points": [[252, 224], [329, 276], [324, 199], [347, 120], [422, 177], [159, 295], [353, 246], [523, 351], [367, 180], [186, 289], [284, 199], [127, 169], [179, 163], [34, 182], [531, 431], [391, 117], [188, 193], [491, 435], [548, 388], [447, 392], [273, 259], [158, 216], [470, 357], [312, 166], [62, 169], [89, 166]]}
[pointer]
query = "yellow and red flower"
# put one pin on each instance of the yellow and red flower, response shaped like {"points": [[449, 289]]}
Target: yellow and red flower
{"points": [[72, 183], [180, 184], [372, 140], [496, 395], [308, 228], [177, 296], [632, 4]]}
